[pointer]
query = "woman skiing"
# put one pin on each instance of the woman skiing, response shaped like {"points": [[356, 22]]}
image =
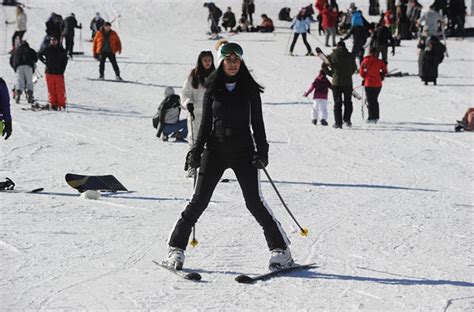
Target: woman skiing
{"points": [[231, 107], [301, 26], [193, 93]]}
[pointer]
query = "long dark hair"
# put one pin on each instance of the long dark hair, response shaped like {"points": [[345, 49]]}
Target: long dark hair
{"points": [[199, 74], [218, 79]]}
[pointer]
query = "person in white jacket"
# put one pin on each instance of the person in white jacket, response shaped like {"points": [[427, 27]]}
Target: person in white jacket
{"points": [[20, 26], [193, 93]]}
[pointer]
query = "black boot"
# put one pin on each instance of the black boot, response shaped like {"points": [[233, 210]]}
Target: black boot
{"points": [[29, 97]]}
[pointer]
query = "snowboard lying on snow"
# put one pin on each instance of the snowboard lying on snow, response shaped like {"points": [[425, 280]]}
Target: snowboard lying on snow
{"points": [[84, 183]]}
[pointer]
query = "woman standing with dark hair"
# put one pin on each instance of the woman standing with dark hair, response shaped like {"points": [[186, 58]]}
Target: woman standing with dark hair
{"points": [[193, 94], [301, 25], [232, 135]]}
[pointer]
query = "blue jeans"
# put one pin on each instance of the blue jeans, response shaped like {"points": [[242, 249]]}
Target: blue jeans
{"points": [[180, 126]]}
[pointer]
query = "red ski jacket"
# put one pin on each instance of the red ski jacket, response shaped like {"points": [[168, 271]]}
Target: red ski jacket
{"points": [[372, 70]]}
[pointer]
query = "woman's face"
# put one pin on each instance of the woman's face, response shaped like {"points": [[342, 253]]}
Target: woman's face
{"points": [[232, 65], [206, 62]]}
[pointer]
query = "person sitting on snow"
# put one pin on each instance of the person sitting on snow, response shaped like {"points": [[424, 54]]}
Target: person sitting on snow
{"points": [[467, 123], [168, 118]]}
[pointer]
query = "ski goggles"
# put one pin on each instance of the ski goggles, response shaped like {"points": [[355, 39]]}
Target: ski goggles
{"points": [[231, 48]]}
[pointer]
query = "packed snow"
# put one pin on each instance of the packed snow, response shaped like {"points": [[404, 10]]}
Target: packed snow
{"points": [[389, 207]]}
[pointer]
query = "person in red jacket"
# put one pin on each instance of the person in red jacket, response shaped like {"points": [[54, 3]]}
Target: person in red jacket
{"points": [[320, 85], [329, 22], [372, 70]]}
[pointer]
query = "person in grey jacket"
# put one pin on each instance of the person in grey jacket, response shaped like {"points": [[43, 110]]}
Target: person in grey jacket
{"points": [[432, 21], [301, 26], [169, 123], [20, 26]]}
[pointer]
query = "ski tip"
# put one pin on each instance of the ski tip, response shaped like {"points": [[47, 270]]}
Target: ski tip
{"points": [[37, 190], [318, 50], [244, 279], [194, 276]]}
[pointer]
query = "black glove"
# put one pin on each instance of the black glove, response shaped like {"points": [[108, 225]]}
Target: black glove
{"points": [[190, 108], [309, 31], [393, 52], [7, 129], [193, 159], [259, 162]]}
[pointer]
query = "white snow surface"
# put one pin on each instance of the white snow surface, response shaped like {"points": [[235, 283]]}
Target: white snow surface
{"points": [[389, 207]]}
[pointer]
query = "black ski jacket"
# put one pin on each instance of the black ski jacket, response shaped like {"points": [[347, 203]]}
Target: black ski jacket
{"points": [[226, 121], [69, 24], [24, 55], [55, 59]]}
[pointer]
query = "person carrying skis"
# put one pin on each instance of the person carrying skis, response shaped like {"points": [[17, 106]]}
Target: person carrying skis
{"points": [[192, 96], [343, 66], [106, 45], [373, 70], [69, 24], [320, 86], [5, 116], [169, 123], [301, 26], [96, 24], [20, 30], [55, 58], [23, 61], [231, 135]]}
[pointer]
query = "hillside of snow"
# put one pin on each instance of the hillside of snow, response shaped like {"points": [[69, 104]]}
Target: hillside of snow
{"points": [[389, 207]]}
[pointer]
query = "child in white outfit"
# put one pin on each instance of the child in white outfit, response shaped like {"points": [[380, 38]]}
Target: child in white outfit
{"points": [[320, 85]]}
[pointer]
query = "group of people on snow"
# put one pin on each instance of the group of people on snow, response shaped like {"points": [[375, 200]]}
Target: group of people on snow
{"points": [[55, 57]]}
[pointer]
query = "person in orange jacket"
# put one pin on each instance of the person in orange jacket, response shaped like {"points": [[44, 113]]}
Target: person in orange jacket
{"points": [[372, 70], [106, 45]]}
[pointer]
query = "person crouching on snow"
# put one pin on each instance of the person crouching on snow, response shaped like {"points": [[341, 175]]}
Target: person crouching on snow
{"points": [[320, 86], [169, 123]]}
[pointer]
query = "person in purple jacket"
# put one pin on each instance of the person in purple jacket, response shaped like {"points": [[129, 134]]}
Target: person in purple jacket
{"points": [[5, 117], [320, 85]]}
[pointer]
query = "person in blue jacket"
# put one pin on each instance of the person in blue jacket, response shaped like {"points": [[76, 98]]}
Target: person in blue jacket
{"points": [[5, 116], [301, 26]]}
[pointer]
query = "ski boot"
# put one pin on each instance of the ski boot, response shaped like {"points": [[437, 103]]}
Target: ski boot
{"points": [[280, 259], [17, 96], [175, 258], [324, 122], [314, 122], [118, 78], [29, 97]]}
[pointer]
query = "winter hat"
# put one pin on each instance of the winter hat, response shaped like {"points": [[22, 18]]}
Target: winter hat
{"points": [[228, 49], [169, 91]]}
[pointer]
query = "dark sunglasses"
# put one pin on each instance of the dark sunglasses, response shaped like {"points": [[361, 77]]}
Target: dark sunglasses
{"points": [[231, 48]]}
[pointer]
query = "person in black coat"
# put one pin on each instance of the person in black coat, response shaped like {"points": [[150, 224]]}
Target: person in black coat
{"points": [[231, 135], [381, 39], [431, 58], [69, 24], [55, 58], [5, 116], [54, 25], [228, 20], [23, 61]]}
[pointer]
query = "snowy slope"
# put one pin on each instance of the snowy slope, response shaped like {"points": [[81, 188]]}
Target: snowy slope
{"points": [[389, 206]]}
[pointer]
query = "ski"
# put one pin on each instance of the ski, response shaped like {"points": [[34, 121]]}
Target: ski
{"points": [[245, 279], [8, 186], [111, 80], [191, 276], [33, 191], [325, 60]]}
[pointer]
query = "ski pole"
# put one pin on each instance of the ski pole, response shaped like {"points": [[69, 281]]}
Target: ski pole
{"points": [[303, 231], [288, 43], [362, 104], [80, 38], [193, 241]]}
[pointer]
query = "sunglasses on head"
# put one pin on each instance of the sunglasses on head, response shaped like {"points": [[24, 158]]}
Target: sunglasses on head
{"points": [[231, 48]]}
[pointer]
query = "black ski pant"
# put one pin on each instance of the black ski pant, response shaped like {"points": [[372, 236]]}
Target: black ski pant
{"points": [[111, 57], [213, 165], [295, 37], [342, 95], [372, 94], [69, 44]]}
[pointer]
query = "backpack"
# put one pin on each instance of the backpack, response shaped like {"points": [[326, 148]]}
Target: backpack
{"points": [[357, 19]]}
